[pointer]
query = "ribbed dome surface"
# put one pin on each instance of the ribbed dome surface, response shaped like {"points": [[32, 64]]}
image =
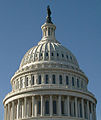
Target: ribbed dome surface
{"points": [[49, 50]]}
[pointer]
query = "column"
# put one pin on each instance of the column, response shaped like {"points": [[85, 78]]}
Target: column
{"points": [[33, 105], [78, 103], [59, 105], [13, 112], [30, 79], [76, 110], [43, 78], [68, 106], [72, 107], [92, 110], [88, 110], [8, 111], [41, 105], [18, 108], [25, 107], [29, 108], [4, 112], [82, 101], [51, 106], [35, 108]]}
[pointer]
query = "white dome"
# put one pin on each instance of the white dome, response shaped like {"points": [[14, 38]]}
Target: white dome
{"points": [[49, 49]]}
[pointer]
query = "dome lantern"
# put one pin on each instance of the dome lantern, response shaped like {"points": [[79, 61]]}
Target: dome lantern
{"points": [[48, 28]]}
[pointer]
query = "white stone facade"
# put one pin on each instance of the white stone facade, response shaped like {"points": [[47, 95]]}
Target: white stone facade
{"points": [[49, 85]]}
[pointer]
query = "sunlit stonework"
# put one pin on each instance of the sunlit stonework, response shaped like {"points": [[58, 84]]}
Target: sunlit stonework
{"points": [[49, 85]]}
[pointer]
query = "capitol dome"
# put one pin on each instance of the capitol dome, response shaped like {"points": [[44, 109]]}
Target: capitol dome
{"points": [[49, 50], [49, 84]]}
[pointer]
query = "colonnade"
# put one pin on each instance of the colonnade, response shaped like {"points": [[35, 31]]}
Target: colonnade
{"points": [[34, 106]]}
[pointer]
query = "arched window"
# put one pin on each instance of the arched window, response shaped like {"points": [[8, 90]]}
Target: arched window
{"points": [[53, 79], [67, 81], [57, 54], [52, 54], [32, 80], [62, 55], [41, 54], [78, 83], [46, 54], [49, 31], [47, 107], [39, 107], [26, 81], [60, 79], [67, 56], [46, 79], [71, 57], [81, 84], [54, 107], [62, 107], [39, 79], [72, 81]]}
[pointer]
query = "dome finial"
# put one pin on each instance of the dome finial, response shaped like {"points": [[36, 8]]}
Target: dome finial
{"points": [[48, 18]]}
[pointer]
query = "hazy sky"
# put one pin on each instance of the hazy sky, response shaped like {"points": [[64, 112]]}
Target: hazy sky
{"points": [[78, 25]]}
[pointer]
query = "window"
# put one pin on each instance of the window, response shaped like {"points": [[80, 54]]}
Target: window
{"points": [[57, 54], [52, 54], [35, 55], [21, 83], [46, 54], [39, 107], [49, 31], [62, 107], [17, 84], [47, 107], [41, 54], [39, 79], [81, 84], [53, 79], [46, 81], [78, 83], [67, 82], [60, 79], [26, 81], [72, 81], [71, 57], [62, 55], [32, 80], [54, 107], [67, 56]]}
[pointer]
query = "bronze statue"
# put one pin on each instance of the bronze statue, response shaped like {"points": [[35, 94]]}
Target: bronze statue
{"points": [[48, 18], [48, 11]]}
